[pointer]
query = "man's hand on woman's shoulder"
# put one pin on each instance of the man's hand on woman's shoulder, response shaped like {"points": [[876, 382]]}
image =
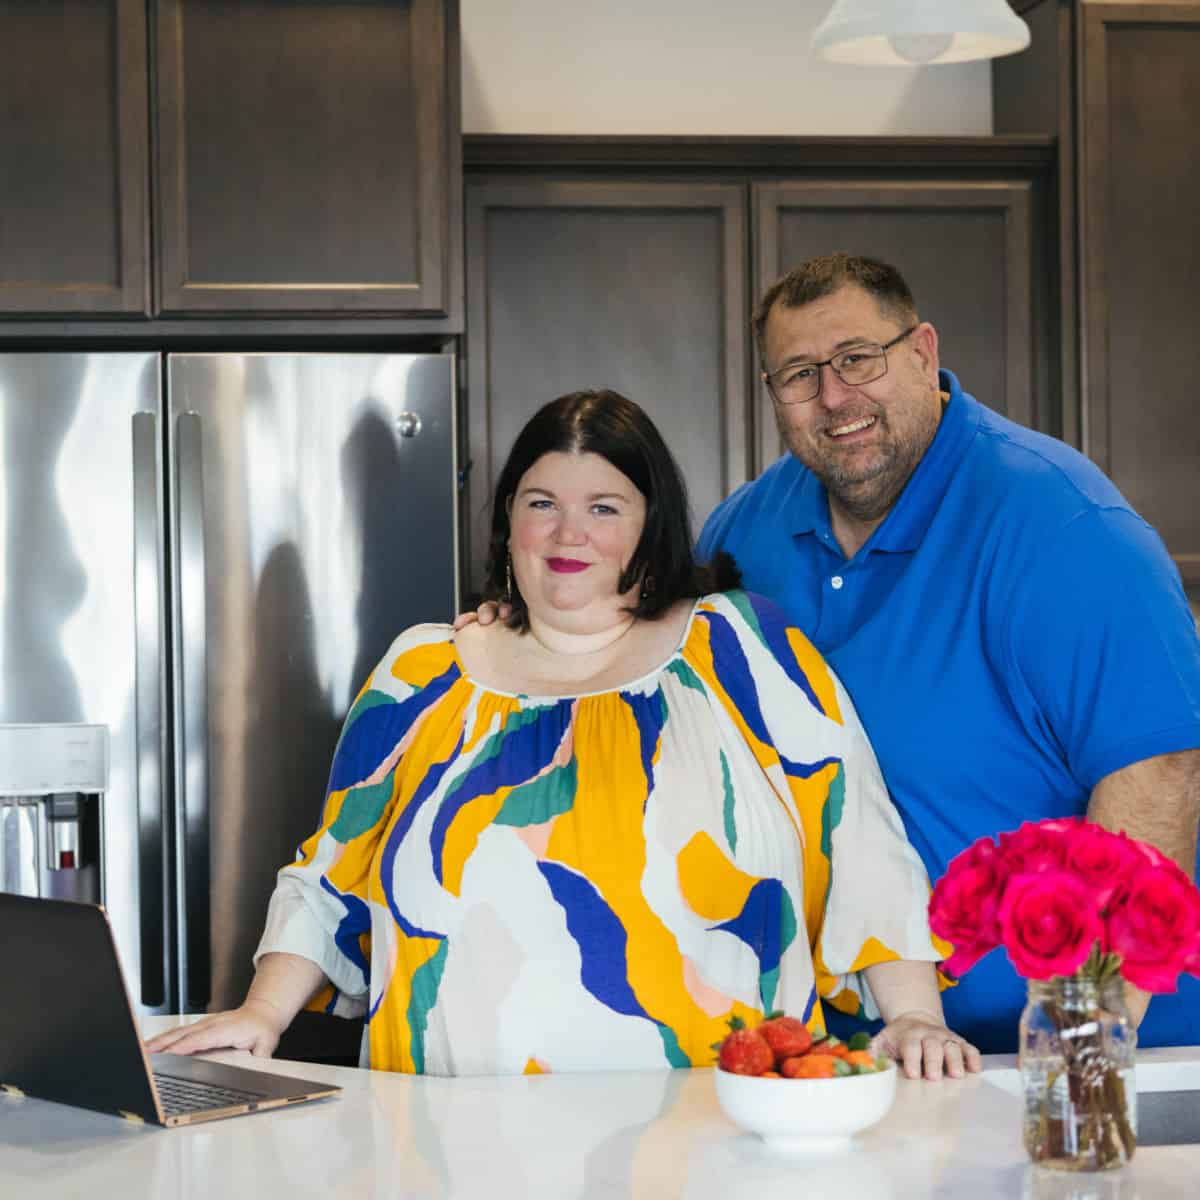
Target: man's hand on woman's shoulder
{"points": [[487, 612]]}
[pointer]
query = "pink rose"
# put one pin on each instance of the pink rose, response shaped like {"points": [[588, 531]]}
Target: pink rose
{"points": [[1101, 860], [1049, 923], [965, 904], [1154, 925], [1038, 846]]}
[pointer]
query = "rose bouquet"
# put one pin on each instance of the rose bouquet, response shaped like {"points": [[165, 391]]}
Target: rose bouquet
{"points": [[1077, 909], [1064, 896]]}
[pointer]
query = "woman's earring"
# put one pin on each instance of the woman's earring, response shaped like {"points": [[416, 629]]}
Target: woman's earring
{"points": [[508, 579], [647, 586]]}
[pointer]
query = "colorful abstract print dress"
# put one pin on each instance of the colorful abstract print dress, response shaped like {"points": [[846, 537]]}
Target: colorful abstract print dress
{"points": [[511, 883]]}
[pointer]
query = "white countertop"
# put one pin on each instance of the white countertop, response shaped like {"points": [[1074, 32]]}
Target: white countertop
{"points": [[595, 1136]]}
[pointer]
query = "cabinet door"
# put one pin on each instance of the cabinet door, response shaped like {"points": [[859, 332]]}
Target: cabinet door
{"points": [[639, 287], [964, 248], [1140, 195], [73, 133], [1034, 92], [308, 156]]}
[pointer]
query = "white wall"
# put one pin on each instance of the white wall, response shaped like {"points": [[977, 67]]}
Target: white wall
{"points": [[694, 67]]}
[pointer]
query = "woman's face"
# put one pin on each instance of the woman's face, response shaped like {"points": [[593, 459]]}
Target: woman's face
{"points": [[575, 523]]}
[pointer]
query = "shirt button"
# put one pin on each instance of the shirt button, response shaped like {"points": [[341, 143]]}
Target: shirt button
{"points": [[837, 582]]}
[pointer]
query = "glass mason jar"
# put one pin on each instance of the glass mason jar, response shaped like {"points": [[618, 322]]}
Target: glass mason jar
{"points": [[1076, 1057]]}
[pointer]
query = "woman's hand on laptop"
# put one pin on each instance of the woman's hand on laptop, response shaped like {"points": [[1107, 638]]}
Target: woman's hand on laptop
{"points": [[256, 1027], [283, 984]]}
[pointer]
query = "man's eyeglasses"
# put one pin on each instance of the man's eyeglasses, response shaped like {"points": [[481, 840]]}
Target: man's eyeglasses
{"points": [[798, 383]]}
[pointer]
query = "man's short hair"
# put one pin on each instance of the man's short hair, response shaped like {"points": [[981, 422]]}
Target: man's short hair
{"points": [[821, 276]]}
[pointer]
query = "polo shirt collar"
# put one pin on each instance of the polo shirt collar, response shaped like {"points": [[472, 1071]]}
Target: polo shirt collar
{"points": [[810, 504], [906, 524]]}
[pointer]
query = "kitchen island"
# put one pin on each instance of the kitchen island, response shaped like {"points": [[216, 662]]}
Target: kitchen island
{"points": [[596, 1136]]}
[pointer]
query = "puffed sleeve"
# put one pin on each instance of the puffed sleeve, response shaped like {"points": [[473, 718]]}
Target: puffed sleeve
{"points": [[876, 907], [319, 909], [865, 889]]}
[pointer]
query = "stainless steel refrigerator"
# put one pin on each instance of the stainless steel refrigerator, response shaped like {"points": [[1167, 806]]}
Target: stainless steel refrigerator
{"points": [[206, 554]]}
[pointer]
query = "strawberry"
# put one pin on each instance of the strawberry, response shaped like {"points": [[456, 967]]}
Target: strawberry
{"points": [[830, 1046], [808, 1066], [744, 1052], [787, 1036]]}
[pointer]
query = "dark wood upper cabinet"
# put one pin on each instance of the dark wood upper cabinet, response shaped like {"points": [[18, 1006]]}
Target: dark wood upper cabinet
{"points": [[1140, 261], [964, 247], [307, 157], [73, 146], [1118, 84]]}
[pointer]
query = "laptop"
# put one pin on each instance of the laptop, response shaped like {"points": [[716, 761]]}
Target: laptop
{"points": [[68, 1032]]}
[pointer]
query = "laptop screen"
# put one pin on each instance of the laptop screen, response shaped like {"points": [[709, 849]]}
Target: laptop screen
{"points": [[67, 1032]]}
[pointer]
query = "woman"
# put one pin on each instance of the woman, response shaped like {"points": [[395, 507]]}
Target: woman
{"points": [[588, 836]]}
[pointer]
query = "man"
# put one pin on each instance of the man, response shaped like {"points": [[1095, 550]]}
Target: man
{"points": [[1015, 638]]}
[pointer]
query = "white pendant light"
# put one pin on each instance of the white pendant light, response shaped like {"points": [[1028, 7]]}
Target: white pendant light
{"points": [[908, 32]]}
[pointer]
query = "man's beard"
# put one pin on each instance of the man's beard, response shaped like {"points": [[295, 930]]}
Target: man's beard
{"points": [[866, 491]]}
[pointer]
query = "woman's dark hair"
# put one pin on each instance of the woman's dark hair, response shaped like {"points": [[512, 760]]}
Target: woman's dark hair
{"points": [[604, 422]]}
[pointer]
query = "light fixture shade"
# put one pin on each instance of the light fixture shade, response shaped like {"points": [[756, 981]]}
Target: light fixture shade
{"points": [[907, 32]]}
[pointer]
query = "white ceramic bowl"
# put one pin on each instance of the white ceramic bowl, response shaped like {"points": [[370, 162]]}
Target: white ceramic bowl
{"points": [[806, 1115]]}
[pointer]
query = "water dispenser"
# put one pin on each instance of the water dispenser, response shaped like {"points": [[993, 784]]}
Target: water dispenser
{"points": [[52, 784]]}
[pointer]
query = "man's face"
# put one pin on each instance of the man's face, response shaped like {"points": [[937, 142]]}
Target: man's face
{"points": [[863, 442]]}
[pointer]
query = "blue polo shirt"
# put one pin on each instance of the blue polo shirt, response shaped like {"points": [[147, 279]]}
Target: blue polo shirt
{"points": [[1010, 634]]}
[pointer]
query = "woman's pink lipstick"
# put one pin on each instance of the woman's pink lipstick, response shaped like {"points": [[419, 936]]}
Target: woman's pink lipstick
{"points": [[566, 566]]}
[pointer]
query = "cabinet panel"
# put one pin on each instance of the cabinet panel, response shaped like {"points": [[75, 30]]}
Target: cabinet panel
{"points": [[1034, 92], [307, 155], [1141, 262], [964, 248], [73, 135], [638, 287]]}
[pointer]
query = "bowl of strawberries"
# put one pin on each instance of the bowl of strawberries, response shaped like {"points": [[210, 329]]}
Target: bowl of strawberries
{"points": [[801, 1092]]}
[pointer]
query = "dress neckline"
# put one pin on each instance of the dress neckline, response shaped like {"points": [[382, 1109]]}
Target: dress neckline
{"points": [[626, 685]]}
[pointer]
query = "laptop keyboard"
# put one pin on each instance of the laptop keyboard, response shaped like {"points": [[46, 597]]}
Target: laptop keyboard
{"points": [[186, 1095]]}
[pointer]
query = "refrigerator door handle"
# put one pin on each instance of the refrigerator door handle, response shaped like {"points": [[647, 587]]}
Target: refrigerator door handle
{"points": [[149, 700], [192, 832]]}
